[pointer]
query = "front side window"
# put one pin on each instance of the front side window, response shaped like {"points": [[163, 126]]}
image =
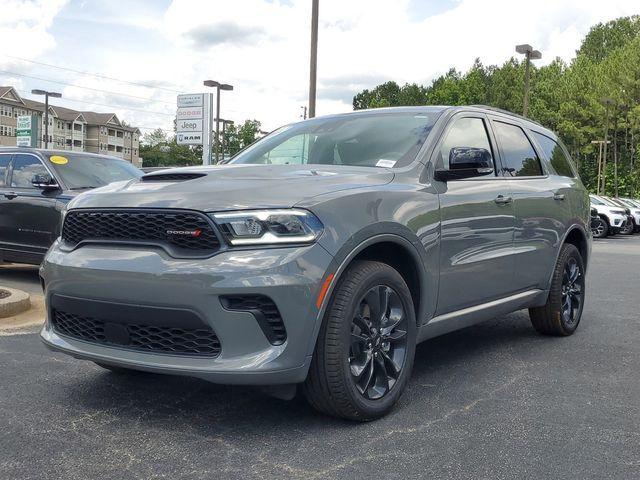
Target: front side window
{"points": [[25, 167], [519, 159], [465, 132], [366, 140], [554, 152]]}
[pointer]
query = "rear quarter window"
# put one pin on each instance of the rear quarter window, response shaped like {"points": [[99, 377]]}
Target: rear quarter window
{"points": [[555, 154]]}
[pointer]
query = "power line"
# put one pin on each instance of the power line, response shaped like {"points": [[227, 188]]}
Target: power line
{"points": [[108, 106], [85, 88], [97, 75]]}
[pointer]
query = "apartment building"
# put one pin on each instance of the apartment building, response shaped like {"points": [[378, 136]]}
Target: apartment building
{"points": [[69, 129]]}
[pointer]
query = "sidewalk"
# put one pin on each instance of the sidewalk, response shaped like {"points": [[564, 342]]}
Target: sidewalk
{"points": [[32, 317]]}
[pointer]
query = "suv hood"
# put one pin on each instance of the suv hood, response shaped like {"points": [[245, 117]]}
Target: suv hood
{"points": [[231, 187]]}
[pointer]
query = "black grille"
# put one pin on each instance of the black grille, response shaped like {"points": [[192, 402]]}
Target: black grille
{"points": [[265, 312], [150, 338], [171, 177], [183, 233]]}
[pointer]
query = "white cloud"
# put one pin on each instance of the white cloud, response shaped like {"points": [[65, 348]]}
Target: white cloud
{"points": [[25, 25], [262, 47]]}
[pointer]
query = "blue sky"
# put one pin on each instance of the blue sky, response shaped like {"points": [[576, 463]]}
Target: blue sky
{"points": [[261, 47]]}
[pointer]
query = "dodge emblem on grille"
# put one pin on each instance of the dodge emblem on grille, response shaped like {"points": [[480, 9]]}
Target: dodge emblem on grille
{"points": [[187, 233]]}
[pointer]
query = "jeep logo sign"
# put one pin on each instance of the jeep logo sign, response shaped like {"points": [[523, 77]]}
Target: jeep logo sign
{"points": [[189, 125]]}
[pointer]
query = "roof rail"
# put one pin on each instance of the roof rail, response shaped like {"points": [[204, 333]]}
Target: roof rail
{"points": [[507, 112]]}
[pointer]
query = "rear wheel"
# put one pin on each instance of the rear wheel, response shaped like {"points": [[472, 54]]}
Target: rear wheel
{"points": [[599, 228], [365, 348], [563, 310]]}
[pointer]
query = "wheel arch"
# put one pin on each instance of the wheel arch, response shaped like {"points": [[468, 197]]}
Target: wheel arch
{"points": [[393, 249]]}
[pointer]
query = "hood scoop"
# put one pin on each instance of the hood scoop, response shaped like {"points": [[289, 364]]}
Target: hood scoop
{"points": [[171, 177]]}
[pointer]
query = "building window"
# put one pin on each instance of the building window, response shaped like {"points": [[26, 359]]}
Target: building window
{"points": [[6, 111], [6, 131]]}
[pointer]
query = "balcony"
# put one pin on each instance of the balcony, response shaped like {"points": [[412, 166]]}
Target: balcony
{"points": [[117, 141]]}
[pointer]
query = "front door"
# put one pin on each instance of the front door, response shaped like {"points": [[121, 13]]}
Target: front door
{"points": [[32, 213], [477, 224], [6, 226]]}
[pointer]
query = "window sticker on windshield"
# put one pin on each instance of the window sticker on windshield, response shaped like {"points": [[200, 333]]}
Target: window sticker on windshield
{"points": [[385, 163], [58, 160]]}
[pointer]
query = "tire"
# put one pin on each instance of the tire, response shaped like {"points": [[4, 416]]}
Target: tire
{"points": [[345, 347], [599, 228], [627, 229], [554, 318], [118, 370]]}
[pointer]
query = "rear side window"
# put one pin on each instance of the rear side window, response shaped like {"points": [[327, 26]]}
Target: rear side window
{"points": [[555, 154], [465, 132], [24, 169], [519, 159], [4, 167]]}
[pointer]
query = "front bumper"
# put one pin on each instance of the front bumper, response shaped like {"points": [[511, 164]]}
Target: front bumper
{"points": [[291, 277]]}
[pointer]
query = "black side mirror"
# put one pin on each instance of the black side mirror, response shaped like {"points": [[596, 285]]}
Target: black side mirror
{"points": [[44, 181], [466, 162]]}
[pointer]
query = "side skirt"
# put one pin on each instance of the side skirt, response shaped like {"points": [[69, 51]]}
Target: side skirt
{"points": [[466, 317]]}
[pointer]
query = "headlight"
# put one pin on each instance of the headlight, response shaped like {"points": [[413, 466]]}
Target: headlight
{"points": [[264, 227]]}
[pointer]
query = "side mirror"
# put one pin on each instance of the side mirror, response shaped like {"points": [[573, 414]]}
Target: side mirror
{"points": [[466, 162], [44, 181]]}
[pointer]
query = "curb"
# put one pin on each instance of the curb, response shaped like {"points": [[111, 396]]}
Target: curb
{"points": [[14, 303]]}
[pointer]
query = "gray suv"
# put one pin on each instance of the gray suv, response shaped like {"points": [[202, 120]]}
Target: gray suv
{"points": [[322, 254]]}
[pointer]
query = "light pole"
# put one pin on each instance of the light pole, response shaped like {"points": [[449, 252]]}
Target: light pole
{"points": [[46, 111], [530, 54], [219, 86], [313, 67]]}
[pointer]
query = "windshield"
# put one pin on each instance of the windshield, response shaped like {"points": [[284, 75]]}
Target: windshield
{"points": [[80, 171], [369, 140]]}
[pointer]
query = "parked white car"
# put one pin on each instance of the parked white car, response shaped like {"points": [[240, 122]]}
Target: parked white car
{"points": [[613, 217], [634, 206]]}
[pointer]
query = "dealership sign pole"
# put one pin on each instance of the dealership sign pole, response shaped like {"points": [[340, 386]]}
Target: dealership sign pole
{"points": [[194, 122]]}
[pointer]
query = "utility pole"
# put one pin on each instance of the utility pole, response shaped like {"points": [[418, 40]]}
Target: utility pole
{"points": [[530, 54], [313, 67], [224, 135], [46, 111], [219, 86], [607, 102], [600, 144]]}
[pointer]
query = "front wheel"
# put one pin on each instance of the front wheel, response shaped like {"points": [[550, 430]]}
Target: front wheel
{"points": [[599, 228], [627, 229], [561, 314], [366, 345]]}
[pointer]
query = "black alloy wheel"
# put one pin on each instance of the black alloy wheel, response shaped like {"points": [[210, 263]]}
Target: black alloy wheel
{"points": [[378, 342]]}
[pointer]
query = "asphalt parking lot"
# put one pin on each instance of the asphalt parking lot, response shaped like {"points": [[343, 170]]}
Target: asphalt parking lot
{"points": [[492, 401]]}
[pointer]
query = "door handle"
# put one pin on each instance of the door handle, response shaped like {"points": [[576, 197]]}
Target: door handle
{"points": [[10, 195], [502, 200], [558, 196]]}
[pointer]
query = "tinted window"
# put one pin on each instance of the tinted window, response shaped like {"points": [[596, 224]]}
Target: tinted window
{"points": [[465, 132], [24, 168], [378, 140], [80, 171], [4, 167], [519, 159], [555, 154]]}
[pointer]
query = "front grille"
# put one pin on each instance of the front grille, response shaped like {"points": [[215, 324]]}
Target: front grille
{"points": [[171, 177], [182, 233], [265, 312], [134, 336]]}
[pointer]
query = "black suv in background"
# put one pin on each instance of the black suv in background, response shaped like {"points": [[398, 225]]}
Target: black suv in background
{"points": [[35, 186]]}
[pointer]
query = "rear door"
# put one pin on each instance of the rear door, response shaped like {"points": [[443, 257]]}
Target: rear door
{"points": [[32, 214], [540, 202], [477, 222]]}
